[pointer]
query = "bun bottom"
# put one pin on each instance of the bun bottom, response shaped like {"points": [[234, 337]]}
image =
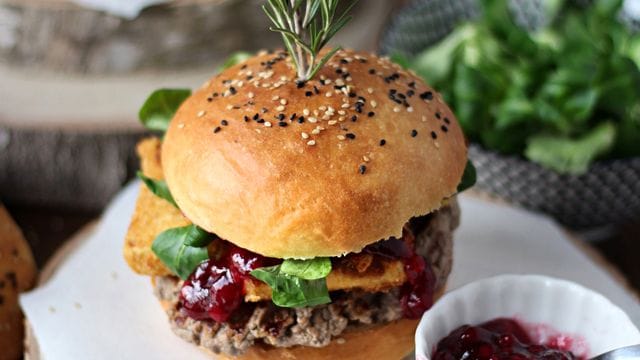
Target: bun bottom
{"points": [[391, 341]]}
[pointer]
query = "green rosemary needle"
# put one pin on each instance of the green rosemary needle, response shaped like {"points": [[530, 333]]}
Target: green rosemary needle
{"points": [[306, 27]]}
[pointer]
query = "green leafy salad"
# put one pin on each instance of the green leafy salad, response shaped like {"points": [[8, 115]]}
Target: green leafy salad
{"points": [[563, 96]]}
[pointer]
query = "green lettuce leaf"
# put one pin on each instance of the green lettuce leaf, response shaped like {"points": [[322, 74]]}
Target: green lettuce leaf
{"points": [[158, 110], [182, 249], [297, 283], [573, 156], [468, 177], [234, 59], [157, 187]]}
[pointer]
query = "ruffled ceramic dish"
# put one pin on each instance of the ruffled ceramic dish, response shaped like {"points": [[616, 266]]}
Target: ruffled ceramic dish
{"points": [[546, 307]]}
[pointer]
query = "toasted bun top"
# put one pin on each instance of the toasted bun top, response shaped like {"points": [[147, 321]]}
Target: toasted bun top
{"points": [[324, 168]]}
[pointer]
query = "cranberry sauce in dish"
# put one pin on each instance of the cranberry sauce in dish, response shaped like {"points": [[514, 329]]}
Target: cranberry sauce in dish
{"points": [[498, 339]]}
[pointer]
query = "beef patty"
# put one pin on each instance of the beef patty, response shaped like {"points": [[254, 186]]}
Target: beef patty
{"points": [[315, 326]]}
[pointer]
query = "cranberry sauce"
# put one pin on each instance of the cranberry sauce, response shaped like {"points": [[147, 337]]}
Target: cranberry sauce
{"points": [[416, 295], [499, 339], [216, 288]]}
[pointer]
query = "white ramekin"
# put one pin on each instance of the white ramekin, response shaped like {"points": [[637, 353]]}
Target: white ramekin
{"points": [[596, 324]]}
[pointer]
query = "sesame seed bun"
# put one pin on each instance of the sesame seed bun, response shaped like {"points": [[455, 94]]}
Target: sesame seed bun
{"points": [[324, 168]]}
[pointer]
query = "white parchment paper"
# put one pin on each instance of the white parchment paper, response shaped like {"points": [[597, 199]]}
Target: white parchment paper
{"points": [[94, 307]]}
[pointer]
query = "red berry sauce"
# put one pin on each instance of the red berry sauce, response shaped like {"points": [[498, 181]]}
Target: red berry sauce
{"points": [[216, 288], [499, 339], [416, 295]]}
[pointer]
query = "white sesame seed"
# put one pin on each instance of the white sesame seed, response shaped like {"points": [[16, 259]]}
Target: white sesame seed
{"points": [[345, 105], [341, 112], [180, 126], [280, 108], [304, 135], [258, 131], [229, 107], [370, 90], [267, 124], [315, 131], [250, 95], [365, 158], [311, 142], [328, 81], [341, 137], [283, 101], [322, 108], [410, 109], [374, 103], [349, 78], [311, 119], [328, 94], [340, 82], [305, 112], [201, 113], [275, 98], [332, 122], [396, 109]]}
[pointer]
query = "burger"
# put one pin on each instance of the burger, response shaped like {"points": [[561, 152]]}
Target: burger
{"points": [[287, 219]]}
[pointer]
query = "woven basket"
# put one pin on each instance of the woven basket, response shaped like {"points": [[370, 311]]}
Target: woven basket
{"points": [[608, 194]]}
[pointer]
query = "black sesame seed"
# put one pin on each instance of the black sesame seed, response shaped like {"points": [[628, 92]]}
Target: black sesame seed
{"points": [[209, 99], [215, 94], [256, 116], [293, 116], [232, 90], [371, 114], [343, 61], [321, 82], [437, 115], [414, 133], [217, 129], [412, 84], [301, 119], [280, 116], [282, 123], [434, 135], [427, 95], [354, 118], [260, 121], [352, 94], [383, 142], [246, 118], [338, 71], [346, 75], [264, 110], [308, 93], [372, 71], [410, 93], [402, 96], [447, 121], [350, 136], [362, 169], [1, 300], [444, 128], [224, 122], [315, 90], [243, 67], [300, 83]]}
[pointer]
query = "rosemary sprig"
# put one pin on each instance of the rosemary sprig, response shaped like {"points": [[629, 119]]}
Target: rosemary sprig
{"points": [[306, 27]]}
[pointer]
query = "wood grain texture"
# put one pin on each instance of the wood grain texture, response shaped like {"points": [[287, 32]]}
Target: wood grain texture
{"points": [[64, 168]]}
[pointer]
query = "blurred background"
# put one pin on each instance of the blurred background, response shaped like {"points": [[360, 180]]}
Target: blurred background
{"points": [[546, 90]]}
